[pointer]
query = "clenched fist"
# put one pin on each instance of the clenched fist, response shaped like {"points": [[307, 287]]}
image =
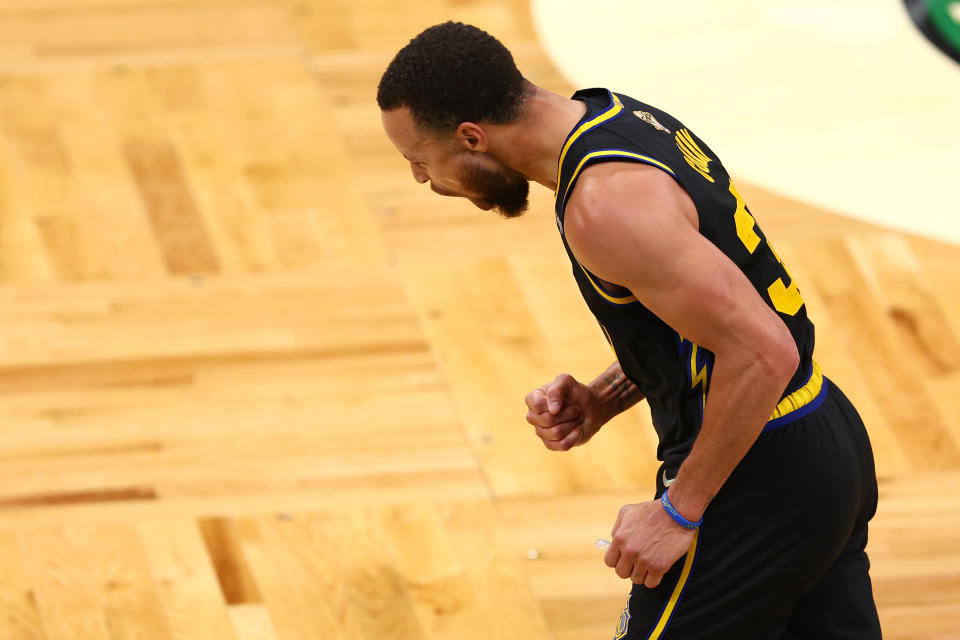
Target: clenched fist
{"points": [[565, 413]]}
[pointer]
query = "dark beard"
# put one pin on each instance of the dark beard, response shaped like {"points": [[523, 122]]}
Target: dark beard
{"points": [[507, 190]]}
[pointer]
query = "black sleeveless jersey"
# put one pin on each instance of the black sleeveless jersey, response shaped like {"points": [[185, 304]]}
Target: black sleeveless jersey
{"points": [[671, 371]]}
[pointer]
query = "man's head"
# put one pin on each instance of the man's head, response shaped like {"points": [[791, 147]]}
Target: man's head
{"points": [[439, 97]]}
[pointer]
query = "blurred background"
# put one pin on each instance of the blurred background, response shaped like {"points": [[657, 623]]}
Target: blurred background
{"points": [[256, 383]]}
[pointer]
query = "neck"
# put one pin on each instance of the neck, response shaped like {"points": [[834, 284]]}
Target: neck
{"points": [[532, 145]]}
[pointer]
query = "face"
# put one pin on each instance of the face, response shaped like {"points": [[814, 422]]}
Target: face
{"points": [[458, 165]]}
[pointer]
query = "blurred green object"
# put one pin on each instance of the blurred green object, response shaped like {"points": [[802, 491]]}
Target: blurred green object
{"points": [[947, 20], [939, 21]]}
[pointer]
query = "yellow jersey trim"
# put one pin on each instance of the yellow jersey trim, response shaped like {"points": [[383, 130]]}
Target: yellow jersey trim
{"points": [[677, 590], [802, 396], [606, 296], [614, 153], [614, 109]]}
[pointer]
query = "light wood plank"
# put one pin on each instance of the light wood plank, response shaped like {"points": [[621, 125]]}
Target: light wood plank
{"points": [[191, 599], [226, 309], [19, 615], [251, 622], [93, 582]]}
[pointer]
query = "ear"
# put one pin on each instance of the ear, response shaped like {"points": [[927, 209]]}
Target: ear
{"points": [[471, 136]]}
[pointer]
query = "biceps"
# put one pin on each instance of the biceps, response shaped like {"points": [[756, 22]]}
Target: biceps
{"points": [[634, 231]]}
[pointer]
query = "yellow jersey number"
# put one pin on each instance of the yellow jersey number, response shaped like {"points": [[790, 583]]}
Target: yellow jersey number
{"points": [[785, 299]]}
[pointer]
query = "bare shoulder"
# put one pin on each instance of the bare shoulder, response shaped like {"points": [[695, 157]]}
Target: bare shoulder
{"points": [[618, 201], [629, 225], [614, 193]]}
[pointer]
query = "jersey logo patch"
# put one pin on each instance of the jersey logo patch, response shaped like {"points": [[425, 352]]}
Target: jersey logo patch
{"points": [[649, 119], [693, 154], [624, 623]]}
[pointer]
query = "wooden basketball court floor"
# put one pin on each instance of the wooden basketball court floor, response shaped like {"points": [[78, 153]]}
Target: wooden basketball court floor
{"points": [[257, 384]]}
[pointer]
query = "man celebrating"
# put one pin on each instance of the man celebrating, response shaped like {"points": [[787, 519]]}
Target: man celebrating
{"points": [[767, 482]]}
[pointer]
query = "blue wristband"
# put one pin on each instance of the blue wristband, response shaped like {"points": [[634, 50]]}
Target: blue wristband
{"points": [[679, 519]]}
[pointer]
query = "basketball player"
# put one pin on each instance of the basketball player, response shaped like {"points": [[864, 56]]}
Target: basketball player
{"points": [[767, 482]]}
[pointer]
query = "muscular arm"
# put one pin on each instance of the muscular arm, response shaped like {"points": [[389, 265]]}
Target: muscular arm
{"points": [[633, 225]]}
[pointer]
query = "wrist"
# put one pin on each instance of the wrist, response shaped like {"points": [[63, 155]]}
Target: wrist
{"points": [[615, 392], [686, 502], [676, 516], [606, 400]]}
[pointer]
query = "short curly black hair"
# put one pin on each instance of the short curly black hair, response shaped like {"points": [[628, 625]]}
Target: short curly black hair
{"points": [[453, 73]]}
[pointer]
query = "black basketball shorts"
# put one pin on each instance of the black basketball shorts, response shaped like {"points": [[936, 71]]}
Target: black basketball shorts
{"points": [[780, 554]]}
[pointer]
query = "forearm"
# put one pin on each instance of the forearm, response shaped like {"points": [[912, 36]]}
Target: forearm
{"points": [[744, 392], [616, 391]]}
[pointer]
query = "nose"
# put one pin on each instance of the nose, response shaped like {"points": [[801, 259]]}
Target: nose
{"points": [[418, 173]]}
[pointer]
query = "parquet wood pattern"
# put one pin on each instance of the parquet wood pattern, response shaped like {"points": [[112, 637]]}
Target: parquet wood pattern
{"points": [[256, 384]]}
